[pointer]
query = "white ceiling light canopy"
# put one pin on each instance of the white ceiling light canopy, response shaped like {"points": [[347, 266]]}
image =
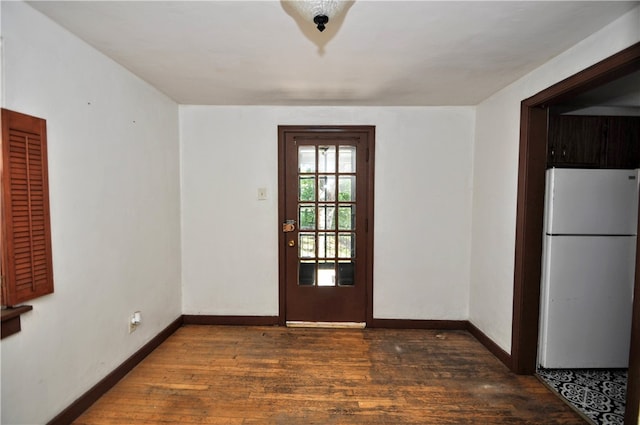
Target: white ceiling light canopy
{"points": [[319, 11]]}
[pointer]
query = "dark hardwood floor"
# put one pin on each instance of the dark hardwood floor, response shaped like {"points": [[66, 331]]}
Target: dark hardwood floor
{"points": [[276, 375]]}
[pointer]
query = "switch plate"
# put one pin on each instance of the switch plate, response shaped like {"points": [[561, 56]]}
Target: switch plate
{"points": [[262, 193], [134, 321]]}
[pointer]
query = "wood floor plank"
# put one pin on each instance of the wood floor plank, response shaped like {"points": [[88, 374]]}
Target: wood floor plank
{"points": [[281, 376]]}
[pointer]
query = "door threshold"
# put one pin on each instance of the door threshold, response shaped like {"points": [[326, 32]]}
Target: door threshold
{"points": [[326, 325]]}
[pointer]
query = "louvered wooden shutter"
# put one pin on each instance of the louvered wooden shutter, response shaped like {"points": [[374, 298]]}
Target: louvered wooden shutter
{"points": [[26, 251]]}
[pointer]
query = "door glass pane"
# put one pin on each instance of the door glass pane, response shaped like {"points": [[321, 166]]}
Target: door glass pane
{"points": [[346, 245], [327, 188], [307, 273], [307, 217], [326, 245], [307, 159], [346, 273], [326, 217], [326, 273], [347, 159], [346, 217], [347, 188], [307, 186], [307, 245], [326, 159]]}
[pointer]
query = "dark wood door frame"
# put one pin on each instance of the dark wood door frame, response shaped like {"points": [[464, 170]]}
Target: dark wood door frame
{"points": [[334, 130], [529, 218]]}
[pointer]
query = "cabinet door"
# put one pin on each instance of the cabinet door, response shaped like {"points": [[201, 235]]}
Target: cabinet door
{"points": [[575, 141], [621, 142]]}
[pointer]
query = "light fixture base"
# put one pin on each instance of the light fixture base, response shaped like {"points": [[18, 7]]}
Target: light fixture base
{"points": [[319, 11], [320, 21]]}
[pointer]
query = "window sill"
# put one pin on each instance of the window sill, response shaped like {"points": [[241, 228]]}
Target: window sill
{"points": [[11, 319]]}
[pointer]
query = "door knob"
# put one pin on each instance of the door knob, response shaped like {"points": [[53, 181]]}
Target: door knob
{"points": [[292, 243]]}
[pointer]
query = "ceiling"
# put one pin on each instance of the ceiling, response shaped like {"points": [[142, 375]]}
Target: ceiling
{"points": [[387, 53]]}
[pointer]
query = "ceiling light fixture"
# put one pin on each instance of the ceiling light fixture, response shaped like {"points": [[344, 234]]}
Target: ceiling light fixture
{"points": [[318, 11]]}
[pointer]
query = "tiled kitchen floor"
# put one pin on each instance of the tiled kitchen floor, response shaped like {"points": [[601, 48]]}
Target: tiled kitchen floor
{"points": [[599, 394]]}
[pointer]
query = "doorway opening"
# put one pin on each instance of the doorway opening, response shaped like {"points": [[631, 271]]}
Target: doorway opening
{"points": [[590, 230], [529, 218]]}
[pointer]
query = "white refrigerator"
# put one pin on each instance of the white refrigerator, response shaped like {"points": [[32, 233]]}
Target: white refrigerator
{"points": [[588, 268]]}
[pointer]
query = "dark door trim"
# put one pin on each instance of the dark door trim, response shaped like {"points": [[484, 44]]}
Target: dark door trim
{"points": [[326, 129], [530, 206]]}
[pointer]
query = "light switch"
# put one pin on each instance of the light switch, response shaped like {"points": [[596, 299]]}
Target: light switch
{"points": [[262, 193]]}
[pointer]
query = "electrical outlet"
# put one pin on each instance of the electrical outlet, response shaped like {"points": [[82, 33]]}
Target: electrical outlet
{"points": [[262, 193]]}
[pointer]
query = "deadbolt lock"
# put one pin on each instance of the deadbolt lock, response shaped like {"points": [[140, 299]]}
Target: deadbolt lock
{"points": [[289, 226]]}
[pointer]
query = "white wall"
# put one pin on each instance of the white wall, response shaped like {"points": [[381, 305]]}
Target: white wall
{"points": [[422, 207], [496, 173], [115, 206]]}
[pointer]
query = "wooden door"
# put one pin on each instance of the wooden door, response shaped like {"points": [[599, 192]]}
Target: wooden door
{"points": [[326, 187]]}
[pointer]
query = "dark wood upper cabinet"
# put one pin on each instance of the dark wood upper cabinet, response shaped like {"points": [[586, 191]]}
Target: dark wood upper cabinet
{"points": [[622, 141], [593, 142]]}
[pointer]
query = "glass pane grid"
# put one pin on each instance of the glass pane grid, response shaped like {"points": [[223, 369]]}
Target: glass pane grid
{"points": [[326, 215]]}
